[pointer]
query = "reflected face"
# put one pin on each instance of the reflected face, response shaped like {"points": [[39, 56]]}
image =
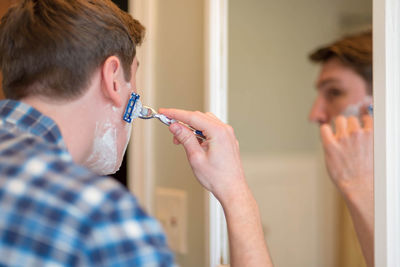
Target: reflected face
{"points": [[339, 89]]}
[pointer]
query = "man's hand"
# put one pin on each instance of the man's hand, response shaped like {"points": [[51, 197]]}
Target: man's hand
{"points": [[217, 165], [349, 153], [349, 159], [216, 161]]}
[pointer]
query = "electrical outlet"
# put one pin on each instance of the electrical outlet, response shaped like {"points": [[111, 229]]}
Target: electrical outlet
{"points": [[171, 211]]}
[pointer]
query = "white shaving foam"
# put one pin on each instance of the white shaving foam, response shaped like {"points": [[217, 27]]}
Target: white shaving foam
{"points": [[128, 129], [352, 110], [103, 159], [137, 109], [356, 109]]}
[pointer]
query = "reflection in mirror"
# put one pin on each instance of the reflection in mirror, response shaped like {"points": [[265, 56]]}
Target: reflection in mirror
{"points": [[275, 110]]}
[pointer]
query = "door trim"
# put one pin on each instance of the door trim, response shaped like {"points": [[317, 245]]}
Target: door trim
{"points": [[387, 131], [141, 151], [216, 101]]}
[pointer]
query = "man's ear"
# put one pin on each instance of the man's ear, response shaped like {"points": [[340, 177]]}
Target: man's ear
{"points": [[112, 73]]}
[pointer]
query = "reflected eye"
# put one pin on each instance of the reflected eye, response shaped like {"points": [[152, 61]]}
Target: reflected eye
{"points": [[333, 93]]}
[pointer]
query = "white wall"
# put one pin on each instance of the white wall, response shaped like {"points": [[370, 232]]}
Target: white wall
{"points": [[175, 50], [269, 72], [296, 210]]}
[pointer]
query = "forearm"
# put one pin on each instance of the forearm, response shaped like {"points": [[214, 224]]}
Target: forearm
{"points": [[246, 239], [361, 207], [217, 166]]}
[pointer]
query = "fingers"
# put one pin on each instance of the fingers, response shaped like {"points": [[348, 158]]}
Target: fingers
{"points": [[353, 125], [327, 135], [341, 127], [368, 122], [184, 136], [175, 141], [197, 120], [211, 115], [207, 123], [345, 127]]}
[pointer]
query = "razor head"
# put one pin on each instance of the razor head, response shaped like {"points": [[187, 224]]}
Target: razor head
{"points": [[371, 110], [146, 113], [133, 100]]}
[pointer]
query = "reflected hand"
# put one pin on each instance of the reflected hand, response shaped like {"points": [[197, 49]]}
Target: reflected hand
{"points": [[349, 159], [216, 161], [349, 153]]}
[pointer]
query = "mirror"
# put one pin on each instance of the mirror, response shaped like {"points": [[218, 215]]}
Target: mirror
{"points": [[271, 85], [271, 90]]}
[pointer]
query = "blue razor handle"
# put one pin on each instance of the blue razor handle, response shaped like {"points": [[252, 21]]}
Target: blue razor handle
{"points": [[199, 133]]}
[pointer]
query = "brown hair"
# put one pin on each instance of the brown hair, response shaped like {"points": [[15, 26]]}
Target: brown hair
{"points": [[354, 51], [53, 47]]}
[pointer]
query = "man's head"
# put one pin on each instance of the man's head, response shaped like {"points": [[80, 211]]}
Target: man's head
{"points": [[345, 81], [52, 47], [79, 54]]}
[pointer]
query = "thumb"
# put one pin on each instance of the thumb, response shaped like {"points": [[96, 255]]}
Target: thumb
{"points": [[189, 141]]}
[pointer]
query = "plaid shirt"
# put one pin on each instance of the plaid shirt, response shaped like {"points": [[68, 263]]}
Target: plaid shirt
{"points": [[56, 213]]}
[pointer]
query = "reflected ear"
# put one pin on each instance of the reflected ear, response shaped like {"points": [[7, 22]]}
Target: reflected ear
{"points": [[112, 73]]}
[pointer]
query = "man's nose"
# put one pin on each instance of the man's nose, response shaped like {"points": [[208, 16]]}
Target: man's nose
{"points": [[318, 113]]}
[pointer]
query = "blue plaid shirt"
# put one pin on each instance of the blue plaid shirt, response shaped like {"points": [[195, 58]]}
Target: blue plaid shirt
{"points": [[56, 213]]}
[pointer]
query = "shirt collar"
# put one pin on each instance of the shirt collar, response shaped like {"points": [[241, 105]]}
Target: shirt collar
{"points": [[30, 120]]}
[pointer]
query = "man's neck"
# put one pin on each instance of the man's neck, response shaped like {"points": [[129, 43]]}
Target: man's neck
{"points": [[75, 120]]}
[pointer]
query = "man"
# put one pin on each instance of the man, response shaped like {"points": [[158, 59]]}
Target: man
{"points": [[344, 94], [69, 68], [345, 81]]}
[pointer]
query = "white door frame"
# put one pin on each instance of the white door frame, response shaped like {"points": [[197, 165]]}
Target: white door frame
{"points": [[387, 131], [216, 101], [141, 155]]}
